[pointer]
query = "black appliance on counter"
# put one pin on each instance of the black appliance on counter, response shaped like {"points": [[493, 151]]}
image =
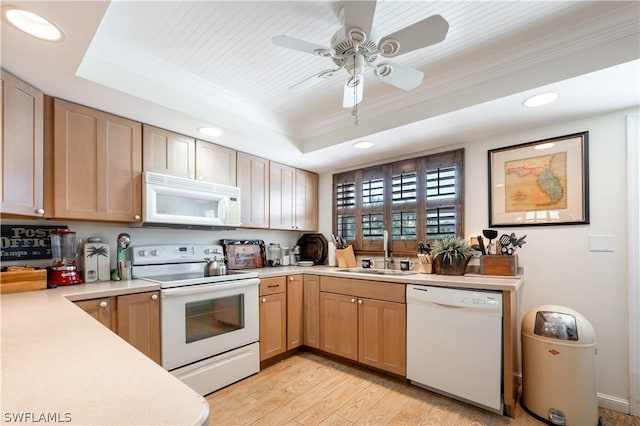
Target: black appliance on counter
{"points": [[313, 247]]}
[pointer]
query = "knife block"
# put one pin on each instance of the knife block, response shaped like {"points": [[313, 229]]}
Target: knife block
{"points": [[346, 258]]}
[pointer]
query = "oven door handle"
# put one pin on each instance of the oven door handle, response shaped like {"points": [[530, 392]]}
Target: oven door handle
{"points": [[208, 288]]}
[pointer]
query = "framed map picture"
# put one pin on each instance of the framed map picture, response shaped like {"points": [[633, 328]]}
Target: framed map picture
{"points": [[540, 183]]}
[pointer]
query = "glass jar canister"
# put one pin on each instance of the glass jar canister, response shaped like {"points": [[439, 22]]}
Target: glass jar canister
{"points": [[274, 254], [285, 256]]}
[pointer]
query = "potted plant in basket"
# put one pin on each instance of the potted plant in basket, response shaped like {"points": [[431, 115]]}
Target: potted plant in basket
{"points": [[451, 255]]}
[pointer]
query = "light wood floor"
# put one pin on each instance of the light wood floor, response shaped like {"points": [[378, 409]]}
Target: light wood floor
{"points": [[309, 389]]}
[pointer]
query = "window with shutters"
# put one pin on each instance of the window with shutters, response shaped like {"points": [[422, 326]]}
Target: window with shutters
{"points": [[419, 199]]}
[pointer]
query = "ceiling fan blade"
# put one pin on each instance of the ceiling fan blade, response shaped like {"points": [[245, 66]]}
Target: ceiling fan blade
{"points": [[348, 100], [300, 45], [358, 14], [398, 75], [423, 33], [312, 81]]}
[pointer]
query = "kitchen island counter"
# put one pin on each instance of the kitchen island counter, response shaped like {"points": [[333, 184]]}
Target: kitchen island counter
{"points": [[59, 365]]}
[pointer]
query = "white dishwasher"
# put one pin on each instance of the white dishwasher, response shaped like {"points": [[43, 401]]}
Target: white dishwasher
{"points": [[454, 343]]}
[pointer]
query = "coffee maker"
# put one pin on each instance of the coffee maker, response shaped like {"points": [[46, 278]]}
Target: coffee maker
{"points": [[64, 266]]}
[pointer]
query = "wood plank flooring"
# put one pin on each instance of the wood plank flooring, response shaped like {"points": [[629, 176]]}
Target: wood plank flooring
{"points": [[310, 389]]}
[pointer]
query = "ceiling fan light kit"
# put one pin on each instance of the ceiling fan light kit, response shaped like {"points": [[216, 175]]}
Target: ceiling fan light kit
{"points": [[356, 48]]}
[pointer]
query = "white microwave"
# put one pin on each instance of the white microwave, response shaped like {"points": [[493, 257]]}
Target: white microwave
{"points": [[179, 202]]}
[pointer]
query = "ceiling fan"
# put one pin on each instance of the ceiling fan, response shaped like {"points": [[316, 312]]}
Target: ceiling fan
{"points": [[356, 47]]}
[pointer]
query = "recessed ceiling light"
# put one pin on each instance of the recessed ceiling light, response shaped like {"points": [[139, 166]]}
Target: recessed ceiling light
{"points": [[362, 145], [544, 145], [540, 99], [32, 24], [210, 131]]}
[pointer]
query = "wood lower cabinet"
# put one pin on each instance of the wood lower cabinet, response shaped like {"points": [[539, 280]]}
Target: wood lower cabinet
{"points": [[382, 341], [168, 153], [339, 325], [311, 311], [103, 309], [134, 317], [273, 317], [215, 163], [97, 165], [22, 152], [139, 322], [252, 177], [364, 321], [295, 318]]}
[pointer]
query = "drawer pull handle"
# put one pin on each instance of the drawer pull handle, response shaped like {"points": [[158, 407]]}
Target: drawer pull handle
{"points": [[273, 286]]}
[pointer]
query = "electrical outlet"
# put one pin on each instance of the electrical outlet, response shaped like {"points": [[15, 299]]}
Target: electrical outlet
{"points": [[601, 243]]}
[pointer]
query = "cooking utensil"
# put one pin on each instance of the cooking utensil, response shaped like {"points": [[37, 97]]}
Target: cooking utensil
{"points": [[505, 241], [490, 234], [481, 244]]}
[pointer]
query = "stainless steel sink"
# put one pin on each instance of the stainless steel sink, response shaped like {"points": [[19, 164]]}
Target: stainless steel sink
{"points": [[377, 271]]}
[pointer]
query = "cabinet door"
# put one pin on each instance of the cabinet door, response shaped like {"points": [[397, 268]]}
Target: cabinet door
{"points": [[103, 309], [306, 199], [215, 163], [168, 153], [139, 322], [339, 325], [253, 181], [294, 311], [22, 148], [281, 196], [273, 325], [97, 165], [311, 309], [382, 335]]}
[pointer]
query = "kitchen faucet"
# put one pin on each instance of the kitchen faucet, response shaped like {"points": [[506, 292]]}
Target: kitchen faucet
{"points": [[385, 243]]}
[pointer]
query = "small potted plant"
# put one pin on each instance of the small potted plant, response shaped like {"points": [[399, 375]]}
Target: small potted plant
{"points": [[451, 255]]}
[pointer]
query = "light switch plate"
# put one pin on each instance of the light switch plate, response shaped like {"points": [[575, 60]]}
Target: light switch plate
{"points": [[601, 243]]}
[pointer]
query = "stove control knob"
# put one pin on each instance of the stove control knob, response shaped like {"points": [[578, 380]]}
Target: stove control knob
{"points": [[142, 253], [155, 252]]}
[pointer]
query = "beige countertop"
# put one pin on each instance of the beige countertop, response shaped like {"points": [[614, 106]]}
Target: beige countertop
{"points": [[474, 281], [61, 364]]}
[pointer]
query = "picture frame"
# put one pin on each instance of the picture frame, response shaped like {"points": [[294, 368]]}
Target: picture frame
{"points": [[544, 182]]}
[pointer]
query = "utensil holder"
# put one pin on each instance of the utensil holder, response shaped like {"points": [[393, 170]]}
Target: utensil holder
{"points": [[424, 268], [346, 258], [497, 264]]}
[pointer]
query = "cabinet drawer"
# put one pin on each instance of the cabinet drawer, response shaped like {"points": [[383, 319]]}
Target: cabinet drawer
{"points": [[273, 285], [392, 292]]}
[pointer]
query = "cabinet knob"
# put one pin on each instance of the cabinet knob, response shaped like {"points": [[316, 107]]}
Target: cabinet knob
{"points": [[154, 297], [264, 300], [40, 211], [360, 302], [136, 217], [103, 304], [290, 278], [353, 300]]}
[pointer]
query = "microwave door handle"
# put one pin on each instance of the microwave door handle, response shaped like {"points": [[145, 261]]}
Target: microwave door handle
{"points": [[223, 210]]}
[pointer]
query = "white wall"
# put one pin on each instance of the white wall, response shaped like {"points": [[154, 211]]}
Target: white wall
{"points": [[559, 267]]}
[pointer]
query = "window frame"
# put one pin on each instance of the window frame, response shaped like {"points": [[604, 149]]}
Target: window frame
{"points": [[419, 165]]}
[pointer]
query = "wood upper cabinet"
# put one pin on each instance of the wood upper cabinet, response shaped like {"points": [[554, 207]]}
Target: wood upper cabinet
{"points": [[21, 156], [134, 317], [295, 317], [97, 165], [311, 310], [273, 317], [382, 339], [103, 309], [253, 180], [339, 325], [215, 163], [293, 198], [139, 322], [168, 153]]}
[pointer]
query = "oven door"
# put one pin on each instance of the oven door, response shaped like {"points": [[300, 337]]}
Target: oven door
{"points": [[204, 320]]}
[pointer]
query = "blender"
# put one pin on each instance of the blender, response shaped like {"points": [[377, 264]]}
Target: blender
{"points": [[64, 268]]}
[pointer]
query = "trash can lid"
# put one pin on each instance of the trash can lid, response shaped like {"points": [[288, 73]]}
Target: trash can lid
{"points": [[558, 323]]}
